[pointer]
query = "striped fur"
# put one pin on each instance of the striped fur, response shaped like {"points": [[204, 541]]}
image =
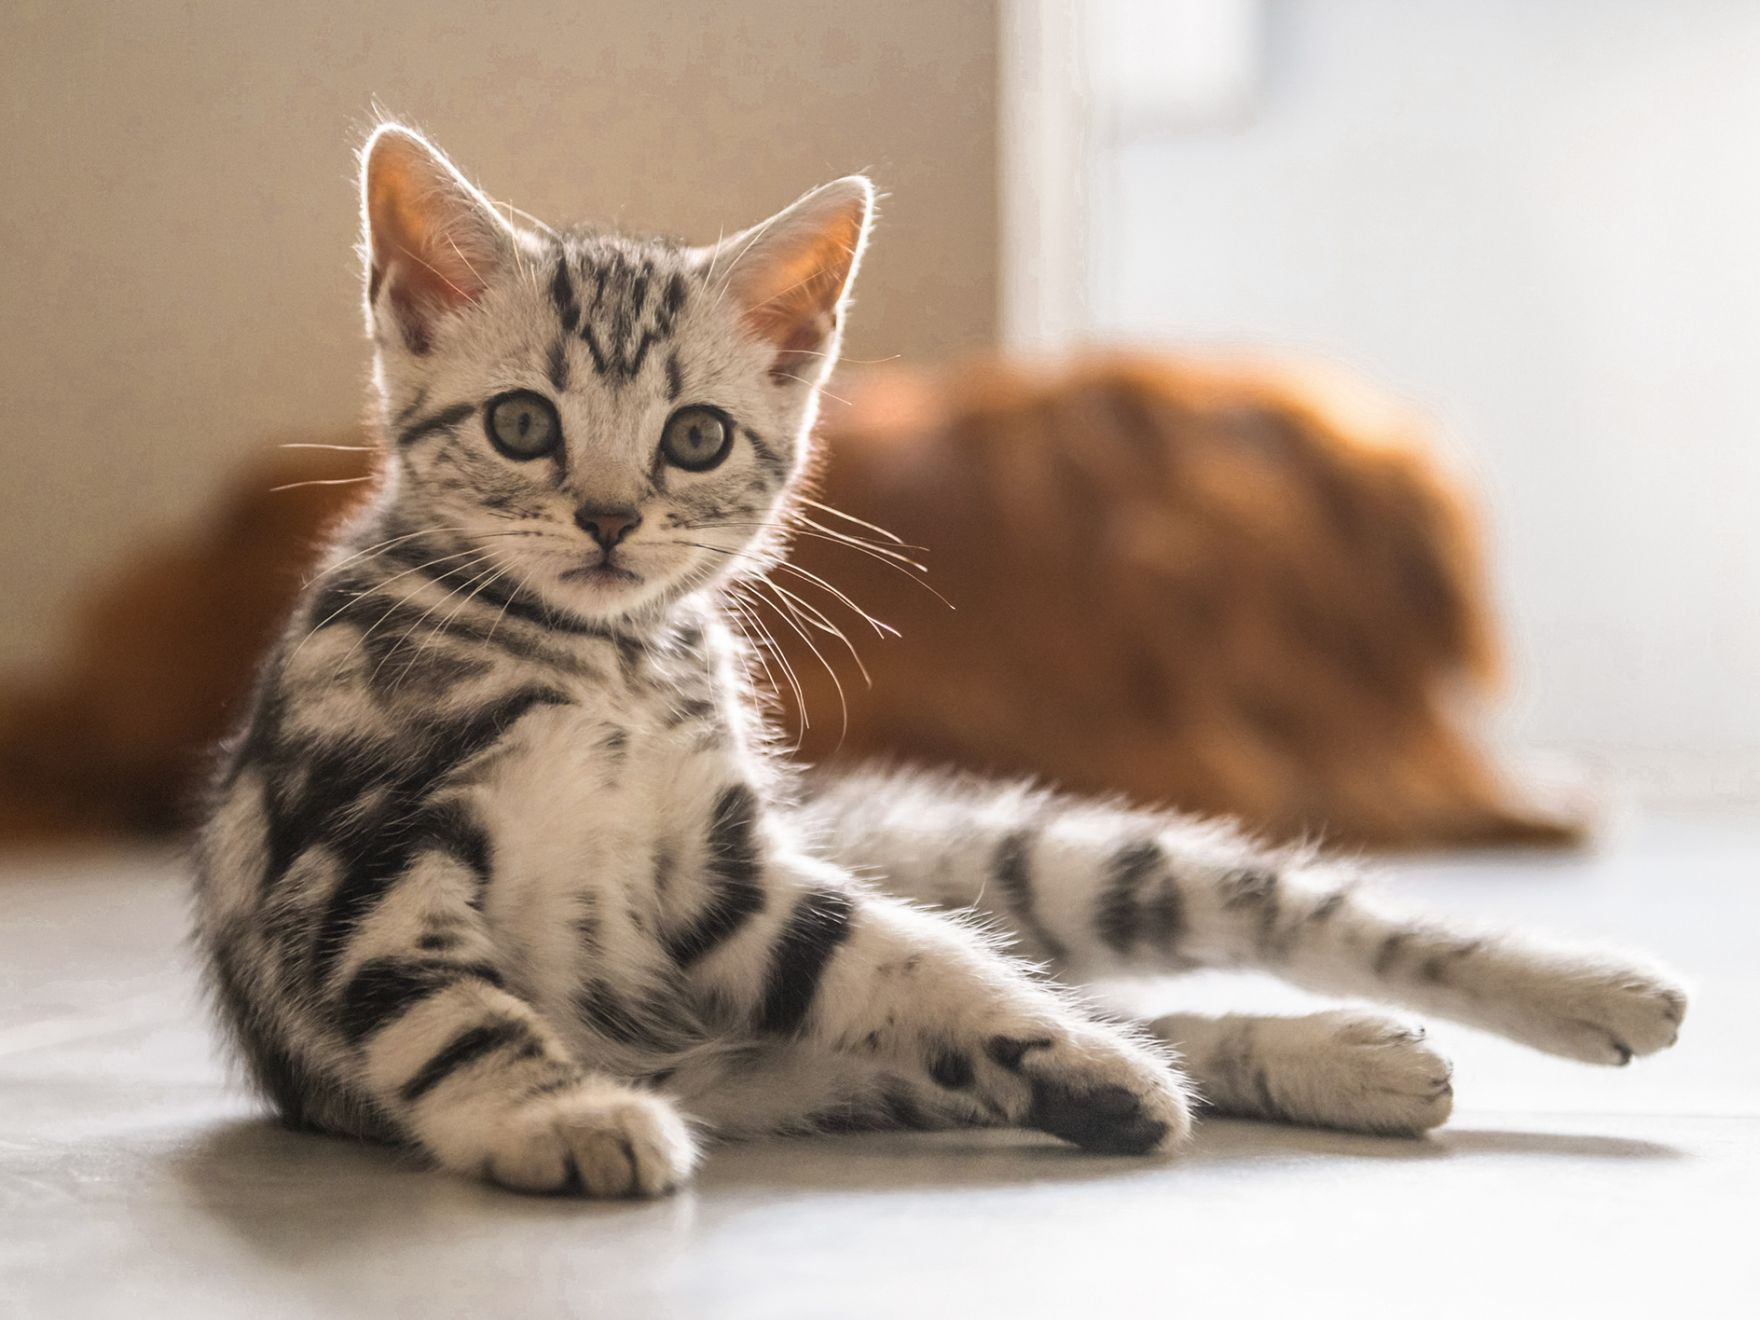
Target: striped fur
{"points": [[504, 866]]}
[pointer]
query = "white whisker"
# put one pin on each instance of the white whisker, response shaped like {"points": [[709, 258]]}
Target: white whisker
{"points": [[842, 701], [340, 610], [485, 555], [323, 481], [850, 517]]}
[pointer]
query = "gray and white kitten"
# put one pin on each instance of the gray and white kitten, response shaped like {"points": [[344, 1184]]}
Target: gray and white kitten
{"points": [[503, 866]]}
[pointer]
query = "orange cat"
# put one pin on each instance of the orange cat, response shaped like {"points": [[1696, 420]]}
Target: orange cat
{"points": [[1232, 588]]}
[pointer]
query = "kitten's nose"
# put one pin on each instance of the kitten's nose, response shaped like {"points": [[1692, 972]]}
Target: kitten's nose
{"points": [[606, 526]]}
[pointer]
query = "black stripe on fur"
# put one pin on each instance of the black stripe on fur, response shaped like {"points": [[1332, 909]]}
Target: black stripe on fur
{"points": [[384, 989], [463, 1050], [735, 894], [380, 844], [568, 306], [1123, 915], [1012, 872], [443, 420], [818, 925]]}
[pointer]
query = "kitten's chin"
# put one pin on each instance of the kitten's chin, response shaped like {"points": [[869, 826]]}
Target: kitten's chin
{"points": [[606, 593], [634, 584], [606, 576]]}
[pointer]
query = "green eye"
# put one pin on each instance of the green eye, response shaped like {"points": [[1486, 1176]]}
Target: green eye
{"points": [[696, 438], [522, 424]]}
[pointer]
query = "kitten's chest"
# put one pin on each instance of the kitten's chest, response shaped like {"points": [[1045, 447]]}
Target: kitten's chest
{"points": [[597, 789]]}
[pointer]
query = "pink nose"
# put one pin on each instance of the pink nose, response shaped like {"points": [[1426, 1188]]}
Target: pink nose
{"points": [[606, 526]]}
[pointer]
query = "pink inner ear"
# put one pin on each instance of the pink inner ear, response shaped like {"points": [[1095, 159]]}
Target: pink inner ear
{"points": [[422, 219], [426, 278], [800, 316], [793, 279], [413, 314], [802, 341]]}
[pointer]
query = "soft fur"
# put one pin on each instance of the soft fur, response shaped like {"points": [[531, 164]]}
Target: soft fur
{"points": [[505, 866]]}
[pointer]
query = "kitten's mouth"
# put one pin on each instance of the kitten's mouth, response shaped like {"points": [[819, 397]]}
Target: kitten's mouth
{"points": [[604, 573]]}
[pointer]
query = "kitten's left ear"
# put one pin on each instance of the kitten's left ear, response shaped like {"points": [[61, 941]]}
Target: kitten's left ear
{"points": [[433, 242], [791, 275]]}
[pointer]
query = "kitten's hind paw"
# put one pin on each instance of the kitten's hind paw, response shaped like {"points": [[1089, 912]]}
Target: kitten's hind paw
{"points": [[1596, 1008], [1359, 1072], [1354, 1071], [598, 1139]]}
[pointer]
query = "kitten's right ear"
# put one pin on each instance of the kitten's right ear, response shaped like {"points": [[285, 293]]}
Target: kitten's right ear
{"points": [[433, 242]]}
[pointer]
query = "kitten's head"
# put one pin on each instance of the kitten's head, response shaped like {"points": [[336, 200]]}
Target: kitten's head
{"points": [[604, 422]]}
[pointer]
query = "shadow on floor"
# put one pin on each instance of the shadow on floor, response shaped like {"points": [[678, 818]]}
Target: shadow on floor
{"points": [[1238, 1140], [289, 1194]]}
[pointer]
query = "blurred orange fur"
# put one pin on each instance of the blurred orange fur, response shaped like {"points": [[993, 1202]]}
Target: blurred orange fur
{"points": [[1238, 590]]}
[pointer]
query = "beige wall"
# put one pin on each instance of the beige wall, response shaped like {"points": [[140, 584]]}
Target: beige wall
{"points": [[176, 213]]}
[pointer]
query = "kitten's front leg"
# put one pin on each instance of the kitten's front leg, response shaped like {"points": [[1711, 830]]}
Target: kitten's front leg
{"points": [[484, 1086], [829, 964], [430, 1026]]}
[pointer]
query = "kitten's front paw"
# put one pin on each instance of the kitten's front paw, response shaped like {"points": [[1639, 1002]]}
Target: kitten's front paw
{"points": [[1101, 1093], [599, 1140], [1594, 1008]]}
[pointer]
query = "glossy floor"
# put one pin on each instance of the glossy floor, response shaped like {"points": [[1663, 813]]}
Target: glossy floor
{"points": [[134, 1181]]}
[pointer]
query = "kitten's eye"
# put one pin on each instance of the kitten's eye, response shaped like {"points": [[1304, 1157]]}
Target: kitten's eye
{"points": [[522, 424], [696, 438]]}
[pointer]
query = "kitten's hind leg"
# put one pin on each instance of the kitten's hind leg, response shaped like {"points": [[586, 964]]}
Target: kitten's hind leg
{"points": [[1356, 1071], [1096, 890]]}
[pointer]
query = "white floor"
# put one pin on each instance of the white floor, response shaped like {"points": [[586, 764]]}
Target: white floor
{"points": [[134, 1181]]}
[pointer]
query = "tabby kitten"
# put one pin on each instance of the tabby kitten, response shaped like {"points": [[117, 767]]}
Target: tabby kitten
{"points": [[503, 866]]}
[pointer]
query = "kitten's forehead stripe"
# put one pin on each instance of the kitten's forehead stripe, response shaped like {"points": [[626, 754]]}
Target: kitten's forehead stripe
{"points": [[563, 295], [626, 319], [638, 292], [600, 362], [674, 297], [635, 363], [556, 368]]}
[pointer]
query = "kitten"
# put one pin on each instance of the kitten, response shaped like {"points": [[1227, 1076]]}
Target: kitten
{"points": [[504, 866]]}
